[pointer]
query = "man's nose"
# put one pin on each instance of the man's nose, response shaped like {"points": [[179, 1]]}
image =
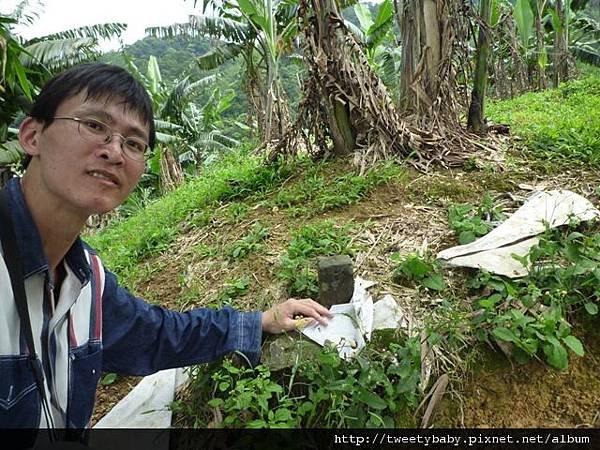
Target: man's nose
{"points": [[113, 149]]}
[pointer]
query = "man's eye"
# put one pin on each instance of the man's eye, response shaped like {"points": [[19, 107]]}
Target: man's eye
{"points": [[94, 126], [135, 145]]}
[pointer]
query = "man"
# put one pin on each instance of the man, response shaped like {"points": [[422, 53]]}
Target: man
{"points": [[87, 136]]}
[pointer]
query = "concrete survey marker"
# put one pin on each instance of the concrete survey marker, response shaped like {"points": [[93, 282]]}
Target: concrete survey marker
{"points": [[336, 280]]}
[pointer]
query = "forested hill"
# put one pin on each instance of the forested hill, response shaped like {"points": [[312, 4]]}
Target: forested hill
{"points": [[176, 58], [176, 55]]}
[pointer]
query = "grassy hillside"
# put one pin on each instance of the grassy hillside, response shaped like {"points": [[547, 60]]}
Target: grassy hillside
{"points": [[248, 235]]}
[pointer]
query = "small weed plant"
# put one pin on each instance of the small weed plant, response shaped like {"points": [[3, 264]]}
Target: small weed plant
{"points": [[232, 290], [325, 238], [250, 243], [418, 269], [236, 211], [471, 222]]}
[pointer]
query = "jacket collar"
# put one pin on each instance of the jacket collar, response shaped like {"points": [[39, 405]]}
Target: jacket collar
{"points": [[30, 242]]}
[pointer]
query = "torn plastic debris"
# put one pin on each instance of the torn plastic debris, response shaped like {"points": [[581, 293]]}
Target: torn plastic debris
{"points": [[493, 252], [353, 322]]}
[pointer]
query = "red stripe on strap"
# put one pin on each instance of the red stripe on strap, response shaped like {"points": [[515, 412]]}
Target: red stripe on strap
{"points": [[97, 297]]}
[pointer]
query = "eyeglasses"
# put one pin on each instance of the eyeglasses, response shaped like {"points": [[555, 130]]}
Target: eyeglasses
{"points": [[97, 132]]}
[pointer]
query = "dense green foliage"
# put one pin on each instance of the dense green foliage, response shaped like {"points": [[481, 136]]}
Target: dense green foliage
{"points": [[558, 125], [325, 391], [532, 313]]}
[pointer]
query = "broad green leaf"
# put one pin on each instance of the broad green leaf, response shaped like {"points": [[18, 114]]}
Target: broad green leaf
{"points": [[466, 237], [435, 282], [364, 16], [530, 345], [257, 423], [23, 81], [490, 301], [372, 400], [574, 344], [415, 268], [383, 23], [215, 402], [247, 7], [384, 15], [524, 18], [591, 308], [153, 74], [556, 355], [108, 379], [10, 152], [504, 334]]}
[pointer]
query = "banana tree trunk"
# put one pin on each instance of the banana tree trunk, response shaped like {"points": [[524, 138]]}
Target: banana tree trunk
{"points": [[255, 98], [476, 109], [561, 55], [338, 112], [171, 174], [269, 94], [540, 47], [421, 35]]}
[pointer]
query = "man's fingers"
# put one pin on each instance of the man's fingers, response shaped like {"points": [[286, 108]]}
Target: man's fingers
{"points": [[318, 307], [311, 311]]}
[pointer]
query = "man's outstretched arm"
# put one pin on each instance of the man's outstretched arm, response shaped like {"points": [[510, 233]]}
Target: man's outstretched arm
{"points": [[140, 339]]}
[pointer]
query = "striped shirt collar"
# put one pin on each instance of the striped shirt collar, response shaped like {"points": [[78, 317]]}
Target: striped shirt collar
{"points": [[30, 242]]}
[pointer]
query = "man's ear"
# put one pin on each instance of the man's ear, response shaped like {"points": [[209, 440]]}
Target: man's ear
{"points": [[29, 132]]}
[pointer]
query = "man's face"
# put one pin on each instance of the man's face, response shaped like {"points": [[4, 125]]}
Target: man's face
{"points": [[89, 178]]}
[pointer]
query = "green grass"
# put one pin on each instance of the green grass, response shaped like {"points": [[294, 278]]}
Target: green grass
{"points": [[317, 193], [558, 125], [152, 230], [239, 176]]}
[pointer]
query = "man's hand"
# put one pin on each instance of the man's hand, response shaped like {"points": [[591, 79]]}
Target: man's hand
{"points": [[281, 317]]}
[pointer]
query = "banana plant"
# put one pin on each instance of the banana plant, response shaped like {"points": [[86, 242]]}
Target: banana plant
{"points": [[376, 37], [187, 130], [584, 35], [524, 19], [260, 31]]}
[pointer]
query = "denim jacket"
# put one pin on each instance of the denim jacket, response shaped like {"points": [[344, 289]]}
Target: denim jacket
{"points": [[95, 326]]}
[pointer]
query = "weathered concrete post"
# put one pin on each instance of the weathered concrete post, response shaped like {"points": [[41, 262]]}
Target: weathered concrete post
{"points": [[336, 281]]}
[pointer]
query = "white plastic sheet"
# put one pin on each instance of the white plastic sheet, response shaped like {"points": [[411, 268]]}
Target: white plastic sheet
{"points": [[493, 252], [353, 323], [147, 405]]}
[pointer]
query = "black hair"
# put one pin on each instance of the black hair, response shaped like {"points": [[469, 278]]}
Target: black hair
{"points": [[100, 82]]}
